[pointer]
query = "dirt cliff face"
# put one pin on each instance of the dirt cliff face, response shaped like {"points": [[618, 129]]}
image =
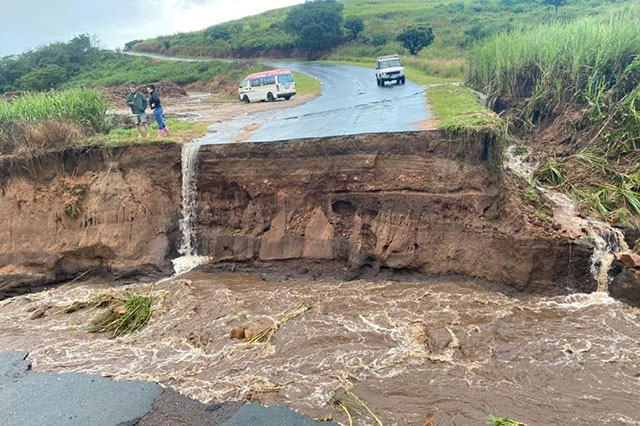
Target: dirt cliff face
{"points": [[91, 210], [419, 201]]}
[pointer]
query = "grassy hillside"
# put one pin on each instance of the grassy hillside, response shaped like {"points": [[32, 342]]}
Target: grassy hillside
{"points": [[457, 24], [121, 69], [79, 63]]}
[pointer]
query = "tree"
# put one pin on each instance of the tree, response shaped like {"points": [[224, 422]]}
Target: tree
{"points": [[316, 24], [45, 78], [416, 38], [218, 32], [555, 3], [129, 45], [354, 27]]}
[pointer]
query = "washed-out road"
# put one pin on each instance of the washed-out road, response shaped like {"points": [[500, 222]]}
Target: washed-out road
{"points": [[350, 103]]}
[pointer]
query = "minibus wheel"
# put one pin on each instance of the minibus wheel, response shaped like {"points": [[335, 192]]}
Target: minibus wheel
{"points": [[245, 99], [270, 97]]}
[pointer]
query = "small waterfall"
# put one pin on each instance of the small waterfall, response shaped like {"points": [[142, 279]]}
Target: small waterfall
{"points": [[606, 240], [189, 258]]}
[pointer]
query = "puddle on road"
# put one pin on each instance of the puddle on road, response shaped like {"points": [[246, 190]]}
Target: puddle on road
{"points": [[453, 350]]}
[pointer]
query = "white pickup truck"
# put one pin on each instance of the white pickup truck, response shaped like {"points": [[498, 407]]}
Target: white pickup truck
{"points": [[389, 68]]}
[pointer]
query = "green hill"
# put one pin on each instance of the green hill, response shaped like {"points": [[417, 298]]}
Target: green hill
{"points": [[457, 26]]}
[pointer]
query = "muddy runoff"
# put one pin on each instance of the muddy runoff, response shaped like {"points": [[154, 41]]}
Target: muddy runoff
{"points": [[447, 350]]}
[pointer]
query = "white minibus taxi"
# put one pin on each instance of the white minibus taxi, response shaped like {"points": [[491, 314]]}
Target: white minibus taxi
{"points": [[267, 86]]}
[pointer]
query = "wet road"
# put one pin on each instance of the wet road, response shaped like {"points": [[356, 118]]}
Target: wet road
{"points": [[351, 103], [33, 399]]}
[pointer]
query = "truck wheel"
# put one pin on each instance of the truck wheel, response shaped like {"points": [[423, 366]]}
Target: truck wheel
{"points": [[286, 98], [270, 97], [245, 99], [402, 80], [382, 82]]}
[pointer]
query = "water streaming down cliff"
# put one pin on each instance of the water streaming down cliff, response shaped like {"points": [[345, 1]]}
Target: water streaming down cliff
{"points": [[606, 240], [187, 249]]}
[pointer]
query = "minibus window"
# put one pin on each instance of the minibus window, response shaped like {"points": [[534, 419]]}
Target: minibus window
{"points": [[285, 78]]}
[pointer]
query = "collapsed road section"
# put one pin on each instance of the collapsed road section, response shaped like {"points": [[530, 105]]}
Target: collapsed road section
{"points": [[428, 202]]}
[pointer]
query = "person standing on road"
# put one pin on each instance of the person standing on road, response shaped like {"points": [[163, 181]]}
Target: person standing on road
{"points": [[138, 104], [156, 107]]}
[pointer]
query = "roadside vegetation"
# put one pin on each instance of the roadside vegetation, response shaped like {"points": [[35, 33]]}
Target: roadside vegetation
{"points": [[458, 109], [54, 120], [571, 91], [306, 85]]}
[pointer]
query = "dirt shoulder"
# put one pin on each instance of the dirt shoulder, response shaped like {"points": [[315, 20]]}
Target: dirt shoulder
{"points": [[204, 107]]}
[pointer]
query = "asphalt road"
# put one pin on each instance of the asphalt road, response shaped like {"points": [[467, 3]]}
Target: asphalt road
{"points": [[28, 398], [351, 103]]}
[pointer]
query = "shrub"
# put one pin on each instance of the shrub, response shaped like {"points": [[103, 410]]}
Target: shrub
{"points": [[46, 78], [354, 27]]}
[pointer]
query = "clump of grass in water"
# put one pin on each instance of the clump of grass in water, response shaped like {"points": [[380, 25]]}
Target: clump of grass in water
{"points": [[266, 335], [503, 421], [350, 400], [126, 315]]}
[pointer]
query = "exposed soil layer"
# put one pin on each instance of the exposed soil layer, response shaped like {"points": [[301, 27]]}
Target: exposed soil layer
{"points": [[420, 201], [402, 204], [88, 211]]}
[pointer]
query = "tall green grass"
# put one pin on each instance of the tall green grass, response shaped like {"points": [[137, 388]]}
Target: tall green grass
{"points": [[588, 69], [84, 107], [559, 63]]}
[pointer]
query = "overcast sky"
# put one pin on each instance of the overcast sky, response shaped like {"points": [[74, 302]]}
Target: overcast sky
{"points": [[26, 24]]}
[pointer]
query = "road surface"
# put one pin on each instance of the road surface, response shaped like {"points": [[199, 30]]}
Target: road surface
{"points": [[28, 398], [351, 103]]}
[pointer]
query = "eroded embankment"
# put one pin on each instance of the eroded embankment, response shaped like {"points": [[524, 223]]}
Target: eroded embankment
{"points": [[426, 202], [421, 201], [89, 210]]}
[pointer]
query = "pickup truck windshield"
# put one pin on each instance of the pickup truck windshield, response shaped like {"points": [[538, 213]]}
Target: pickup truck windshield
{"points": [[390, 64]]}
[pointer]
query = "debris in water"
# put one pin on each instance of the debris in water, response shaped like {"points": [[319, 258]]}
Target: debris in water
{"points": [[629, 260], [125, 315], [503, 421], [266, 334], [349, 399], [40, 312]]}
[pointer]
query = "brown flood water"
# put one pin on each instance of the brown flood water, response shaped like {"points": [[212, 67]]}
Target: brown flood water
{"points": [[452, 350]]}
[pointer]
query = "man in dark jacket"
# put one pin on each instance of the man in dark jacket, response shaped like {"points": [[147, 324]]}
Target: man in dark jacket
{"points": [[138, 104]]}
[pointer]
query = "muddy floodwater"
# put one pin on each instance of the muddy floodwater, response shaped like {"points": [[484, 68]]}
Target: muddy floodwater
{"points": [[451, 351]]}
